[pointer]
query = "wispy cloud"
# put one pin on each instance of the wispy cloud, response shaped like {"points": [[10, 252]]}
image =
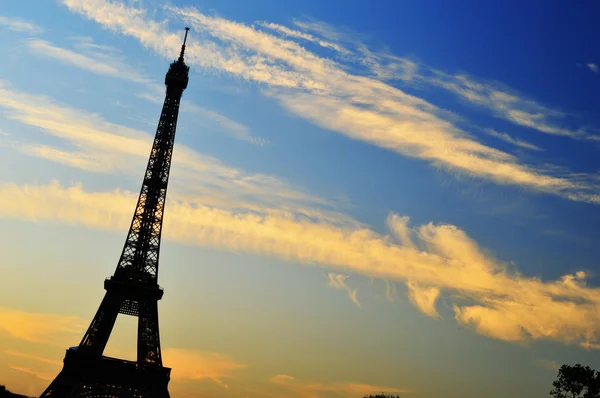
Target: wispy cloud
{"points": [[424, 298], [301, 35], [235, 129], [548, 364], [338, 281], [359, 107], [34, 357], [506, 103], [345, 389], [391, 293], [91, 143], [593, 67], [39, 327], [96, 59], [513, 141], [20, 25], [501, 100], [200, 365], [39, 375], [321, 29], [105, 60], [435, 260]]}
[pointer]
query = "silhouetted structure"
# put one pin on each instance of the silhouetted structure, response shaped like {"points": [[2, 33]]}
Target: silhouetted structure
{"points": [[133, 290]]}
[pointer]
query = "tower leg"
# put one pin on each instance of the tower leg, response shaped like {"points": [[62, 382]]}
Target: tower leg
{"points": [[148, 335]]}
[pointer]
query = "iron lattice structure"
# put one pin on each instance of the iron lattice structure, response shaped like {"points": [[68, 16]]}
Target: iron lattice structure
{"points": [[133, 289]]}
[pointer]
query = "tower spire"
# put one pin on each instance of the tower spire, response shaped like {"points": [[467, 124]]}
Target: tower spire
{"points": [[183, 45]]}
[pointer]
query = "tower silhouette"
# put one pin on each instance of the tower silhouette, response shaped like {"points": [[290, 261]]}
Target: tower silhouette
{"points": [[133, 289]]}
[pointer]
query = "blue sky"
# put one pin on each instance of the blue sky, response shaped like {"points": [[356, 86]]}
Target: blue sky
{"points": [[400, 196]]}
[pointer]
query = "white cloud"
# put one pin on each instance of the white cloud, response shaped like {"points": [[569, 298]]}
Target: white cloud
{"points": [[320, 28], [505, 103], [502, 101], [359, 107], [301, 35], [593, 67], [96, 59], [338, 281], [235, 129], [513, 141], [20, 25], [104, 60], [443, 261], [91, 143]]}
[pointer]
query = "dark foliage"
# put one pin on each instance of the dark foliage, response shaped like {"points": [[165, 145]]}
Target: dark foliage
{"points": [[4, 393], [576, 382], [382, 395]]}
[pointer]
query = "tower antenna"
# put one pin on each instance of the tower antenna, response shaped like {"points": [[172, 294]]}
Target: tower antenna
{"points": [[183, 45]]}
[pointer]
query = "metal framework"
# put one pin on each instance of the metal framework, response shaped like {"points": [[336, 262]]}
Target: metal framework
{"points": [[133, 289]]}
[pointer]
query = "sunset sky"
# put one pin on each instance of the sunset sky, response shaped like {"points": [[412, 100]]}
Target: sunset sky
{"points": [[366, 196]]}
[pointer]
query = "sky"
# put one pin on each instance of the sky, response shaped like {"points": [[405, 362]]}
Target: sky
{"points": [[393, 196]]}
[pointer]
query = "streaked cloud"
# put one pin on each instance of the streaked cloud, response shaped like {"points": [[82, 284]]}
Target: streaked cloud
{"points": [[548, 364], [513, 141], [105, 60], [320, 28], [359, 107], [506, 103], [96, 60], [93, 144], [593, 67], [301, 35], [39, 327], [34, 358], [338, 281], [199, 365], [235, 129], [39, 375], [424, 298], [317, 389], [391, 293], [503, 101], [440, 262], [20, 25]]}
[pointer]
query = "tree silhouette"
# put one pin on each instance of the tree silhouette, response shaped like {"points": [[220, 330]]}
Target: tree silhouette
{"points": [[382, 395], [4, 393], [576, 382]]}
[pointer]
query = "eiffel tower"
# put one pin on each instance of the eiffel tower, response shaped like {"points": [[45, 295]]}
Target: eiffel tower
{"points": [[133, 289]]}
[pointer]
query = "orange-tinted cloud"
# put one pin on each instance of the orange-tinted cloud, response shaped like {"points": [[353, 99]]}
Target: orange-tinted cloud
{"points": [[433, 259], [34, 357], [424, 298], [39, 375], [317, 390], [39, 327], [200, 365]]}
